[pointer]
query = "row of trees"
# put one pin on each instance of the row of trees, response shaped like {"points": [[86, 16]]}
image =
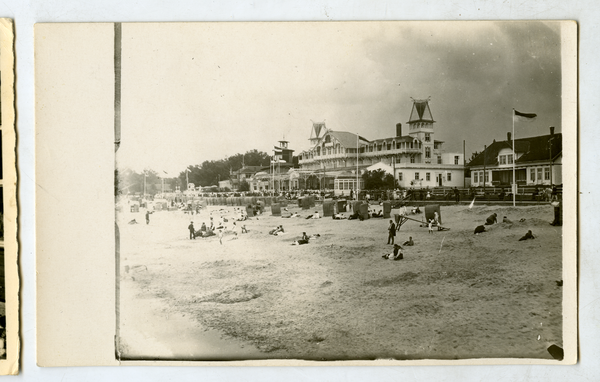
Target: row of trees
{"points": [[210, 172]]}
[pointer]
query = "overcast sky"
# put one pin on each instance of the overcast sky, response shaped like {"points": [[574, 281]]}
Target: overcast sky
{"points": [[202, 91]]}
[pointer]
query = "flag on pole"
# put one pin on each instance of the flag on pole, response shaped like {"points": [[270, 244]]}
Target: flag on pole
{"points": [[524, 117]]}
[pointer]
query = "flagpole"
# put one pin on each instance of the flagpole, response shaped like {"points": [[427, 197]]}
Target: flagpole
{"points": [[357, 188], [514, 159]]}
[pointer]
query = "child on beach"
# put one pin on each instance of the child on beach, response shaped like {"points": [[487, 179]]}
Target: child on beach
{"points": [[430, 225]]}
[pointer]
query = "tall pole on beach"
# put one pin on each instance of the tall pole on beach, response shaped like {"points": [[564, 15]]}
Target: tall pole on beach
{"points": [[357, 188], [514, 159]]}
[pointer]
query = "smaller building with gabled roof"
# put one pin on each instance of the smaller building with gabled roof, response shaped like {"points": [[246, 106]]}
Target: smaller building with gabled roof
{"points": [[537, 161]]}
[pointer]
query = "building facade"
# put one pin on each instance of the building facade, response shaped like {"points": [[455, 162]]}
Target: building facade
{"points": [[416, 160], [537, 162]]}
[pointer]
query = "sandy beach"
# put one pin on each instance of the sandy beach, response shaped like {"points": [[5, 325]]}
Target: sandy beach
{"points": [[454, 295]]}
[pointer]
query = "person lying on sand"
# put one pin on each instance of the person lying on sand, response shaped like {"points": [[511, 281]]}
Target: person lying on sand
{"points": [[133, 221], [338, 217], [492, 219], [506, 220], [304, 240], [527, 236], [396, 255], [415, 211], [309, 217], [479, 229], [409, 242], [276, 230]]}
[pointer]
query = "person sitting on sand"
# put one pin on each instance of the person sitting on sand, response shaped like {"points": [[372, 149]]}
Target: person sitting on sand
{"points": [[396, 255], [415, 211], [203, 227], [338, 217], [276, 230], [479, 229], [527, 236], [304, 240], [506, 220], [244, 230], [409, 242], [492, 219], [316, 215]]}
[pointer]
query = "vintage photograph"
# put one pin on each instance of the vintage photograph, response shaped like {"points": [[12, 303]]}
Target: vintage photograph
{"points": [[333, 191], [9, 280]]}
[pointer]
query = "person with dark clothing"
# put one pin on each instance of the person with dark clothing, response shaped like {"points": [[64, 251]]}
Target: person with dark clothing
{"points": [[501, 194], [535, 194], [457, 195], [192, 231], [492, 219], [392, 232], [409, 242], [527, 236], [479, 229], [147, 217], [554, 193], [396, 255]]}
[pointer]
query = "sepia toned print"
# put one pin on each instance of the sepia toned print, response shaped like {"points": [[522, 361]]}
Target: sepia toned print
{"points": [[9, 280], [342, 191]]}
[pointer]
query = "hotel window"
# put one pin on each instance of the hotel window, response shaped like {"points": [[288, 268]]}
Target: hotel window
{"points": [[389, 146], [400, 176], [509, 158], [475, 177], [539, 173], [427, 152], [427, 137], [546, 173], [439, 159], [532, 174], [449, 177], [427, 176], [502, 159], [412, 159], [416, 176], [398, 145], [487, 176], [370, 149], [378, 147], [456, 159]]}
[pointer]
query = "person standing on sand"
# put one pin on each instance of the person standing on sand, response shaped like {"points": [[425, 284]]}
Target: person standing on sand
{"points": [[457, 195], [191, 229], [430, 225], [147, 217], [221, 236], [391, 232]]}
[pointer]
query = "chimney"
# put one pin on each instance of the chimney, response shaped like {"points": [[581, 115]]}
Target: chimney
{"points": [[508, 136], [551, 130], [398, 129]]}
